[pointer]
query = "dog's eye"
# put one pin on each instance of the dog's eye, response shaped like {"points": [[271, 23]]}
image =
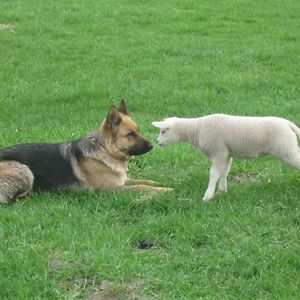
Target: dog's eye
{"points": [[131, 133]]}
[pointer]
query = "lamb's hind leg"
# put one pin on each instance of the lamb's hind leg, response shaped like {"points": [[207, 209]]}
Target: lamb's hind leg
{"points": [[286, 149], [292, 158], [218, 167]]}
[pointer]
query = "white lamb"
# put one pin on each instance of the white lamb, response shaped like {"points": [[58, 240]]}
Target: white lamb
{"points": [[222, 137]]}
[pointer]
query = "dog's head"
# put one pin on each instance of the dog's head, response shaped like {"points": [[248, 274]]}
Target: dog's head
{"points": [[122, 135], [167, 134]]}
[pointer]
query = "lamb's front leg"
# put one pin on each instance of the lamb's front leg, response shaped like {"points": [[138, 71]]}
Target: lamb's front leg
{"points": [[218, 166], [223, 179]]}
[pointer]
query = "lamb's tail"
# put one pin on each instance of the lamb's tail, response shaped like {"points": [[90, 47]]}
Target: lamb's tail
{"points": [[295, 129]]}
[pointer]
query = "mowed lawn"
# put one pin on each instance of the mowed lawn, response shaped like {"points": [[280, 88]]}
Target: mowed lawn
{"points": [[63, 63]]}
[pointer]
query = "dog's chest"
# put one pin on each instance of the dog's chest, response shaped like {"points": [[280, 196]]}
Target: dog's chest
{"points": [[95, 174]]}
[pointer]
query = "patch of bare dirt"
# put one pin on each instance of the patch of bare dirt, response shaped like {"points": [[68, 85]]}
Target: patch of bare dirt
{"points": [[243, 177], [56, 262], [109, 290]]}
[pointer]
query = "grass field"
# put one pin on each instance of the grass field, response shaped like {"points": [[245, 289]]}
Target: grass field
{"points": [[63, 63]]}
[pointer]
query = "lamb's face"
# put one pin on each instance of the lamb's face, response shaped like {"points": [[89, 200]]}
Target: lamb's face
{"points": [[167, 134]]}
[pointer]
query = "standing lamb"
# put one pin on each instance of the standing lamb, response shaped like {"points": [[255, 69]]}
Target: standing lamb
{"points": [[222, 137]]}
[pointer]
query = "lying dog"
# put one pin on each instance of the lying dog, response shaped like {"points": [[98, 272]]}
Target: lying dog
{"points": [[97, 161], [222, 137]]}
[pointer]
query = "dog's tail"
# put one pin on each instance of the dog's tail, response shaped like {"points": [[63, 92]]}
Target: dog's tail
{"points": [[16, 180], [295, 128]]}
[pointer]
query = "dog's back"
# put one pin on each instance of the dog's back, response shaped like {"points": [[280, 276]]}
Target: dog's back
{"points": [[50, 168]]}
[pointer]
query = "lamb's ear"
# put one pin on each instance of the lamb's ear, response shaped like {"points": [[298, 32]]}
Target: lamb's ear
{"points": [[158, 124]]}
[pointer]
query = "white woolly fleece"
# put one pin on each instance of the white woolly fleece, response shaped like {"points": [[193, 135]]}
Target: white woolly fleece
{"points": [[222, 137]]}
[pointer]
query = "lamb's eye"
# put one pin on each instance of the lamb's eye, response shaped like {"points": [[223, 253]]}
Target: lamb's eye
{"points": [[163, 131]]}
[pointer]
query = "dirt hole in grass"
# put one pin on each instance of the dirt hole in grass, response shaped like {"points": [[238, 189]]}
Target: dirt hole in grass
{"points": [[144, 244], [243, 177], [7, 27], [109, 290]]}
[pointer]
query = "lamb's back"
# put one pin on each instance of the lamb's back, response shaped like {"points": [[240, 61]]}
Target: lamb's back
{"points": [[242, 136]]}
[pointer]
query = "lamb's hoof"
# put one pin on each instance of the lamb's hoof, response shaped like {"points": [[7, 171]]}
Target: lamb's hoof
{"points": [[207, 198]]}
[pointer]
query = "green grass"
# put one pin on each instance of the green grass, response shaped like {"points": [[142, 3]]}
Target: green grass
{"points": [[63, 63]]}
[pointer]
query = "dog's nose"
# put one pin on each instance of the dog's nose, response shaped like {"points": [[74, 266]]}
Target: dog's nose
{"points": [[150, 146]]}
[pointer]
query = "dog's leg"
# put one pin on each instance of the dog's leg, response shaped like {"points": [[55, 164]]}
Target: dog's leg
{"points": [[223, 179], [16, 181], [140, 181], [4, 199], [142, 187], [218, 166]]}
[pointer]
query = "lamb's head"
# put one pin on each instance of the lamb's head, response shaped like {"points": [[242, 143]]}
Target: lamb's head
{"points": [[168, 133]]}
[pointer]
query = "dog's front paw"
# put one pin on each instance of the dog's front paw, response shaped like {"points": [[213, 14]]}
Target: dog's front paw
{"points": [[141, 181], [150, 182], [165, 190]]}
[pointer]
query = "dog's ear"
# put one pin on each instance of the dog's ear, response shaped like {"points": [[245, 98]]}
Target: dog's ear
{"points": [[123, 107], [113, 118], [159, 124]]}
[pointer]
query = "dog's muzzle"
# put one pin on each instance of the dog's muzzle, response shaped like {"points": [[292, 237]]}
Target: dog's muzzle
{"points": [[140, 149]]}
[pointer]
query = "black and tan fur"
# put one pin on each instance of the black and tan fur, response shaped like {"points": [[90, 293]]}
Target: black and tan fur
{"points": [[97, 161]]}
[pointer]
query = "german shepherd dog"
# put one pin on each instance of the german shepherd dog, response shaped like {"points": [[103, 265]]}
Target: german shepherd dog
{"points": [[97, 161]]}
